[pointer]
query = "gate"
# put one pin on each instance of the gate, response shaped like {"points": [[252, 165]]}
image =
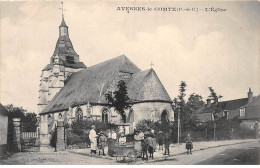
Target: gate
{"points": [[30, 141]]}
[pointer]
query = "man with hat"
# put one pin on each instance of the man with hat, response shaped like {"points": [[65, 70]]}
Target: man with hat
{"points": [[160, 139], [93, 139], [102, 142]]}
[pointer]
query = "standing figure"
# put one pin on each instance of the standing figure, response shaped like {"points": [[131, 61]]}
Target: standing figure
{"points": [[151, 142], [102, 140], [122, 139], [256, 128], [112, 143], [145, 146], [189, 145], [93, 139], [167, 144], [160, 140], [138, 138], [114, 135]]}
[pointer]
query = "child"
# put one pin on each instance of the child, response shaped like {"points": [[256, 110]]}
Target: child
{"points": [[102, 142], [189, 145]]}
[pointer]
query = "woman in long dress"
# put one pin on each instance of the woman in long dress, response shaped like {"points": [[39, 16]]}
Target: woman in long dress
{"points": [[139, 136], [93, 139]]}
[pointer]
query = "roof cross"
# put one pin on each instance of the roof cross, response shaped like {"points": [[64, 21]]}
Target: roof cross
{"points": [[62, 9], [152, 64]]}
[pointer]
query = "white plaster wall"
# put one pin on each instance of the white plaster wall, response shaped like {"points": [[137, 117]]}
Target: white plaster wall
{"points": [[3, 129]]}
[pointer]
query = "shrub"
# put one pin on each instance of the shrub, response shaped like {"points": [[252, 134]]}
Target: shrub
{"points": [[73, 138]]}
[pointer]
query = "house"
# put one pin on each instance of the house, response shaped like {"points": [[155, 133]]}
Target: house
{"points": [[229, 109], [70, 91], [250, 113], [3, 129]]}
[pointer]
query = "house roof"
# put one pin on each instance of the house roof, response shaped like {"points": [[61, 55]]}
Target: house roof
{"points": [[3, 110], [224, 105], [252, 109], [204, 117], [91, 85]]}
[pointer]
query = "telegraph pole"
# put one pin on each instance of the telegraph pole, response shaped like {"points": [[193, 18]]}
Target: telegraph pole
{"points": [[178, 124]]}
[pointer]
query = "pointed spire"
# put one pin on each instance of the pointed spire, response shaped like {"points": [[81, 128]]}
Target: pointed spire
{"points": [[63, 24]]}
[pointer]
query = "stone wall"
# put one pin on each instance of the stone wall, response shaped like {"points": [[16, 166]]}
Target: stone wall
{"points": [[151, 111], [3, 136], [60, 143], [52, 81]]}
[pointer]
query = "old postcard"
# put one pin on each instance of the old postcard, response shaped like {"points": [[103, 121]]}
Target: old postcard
{"points": [[129, 83]]}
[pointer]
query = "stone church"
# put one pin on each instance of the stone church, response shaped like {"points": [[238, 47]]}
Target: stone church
{"points": [[71, 91]]}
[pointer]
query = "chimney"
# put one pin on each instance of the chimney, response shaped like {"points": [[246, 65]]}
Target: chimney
{"points": [[250, 95], [216, 100], [208, 102]]}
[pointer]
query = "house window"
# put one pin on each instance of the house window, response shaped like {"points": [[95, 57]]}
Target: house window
{"points": [[79, 114], [242, 112], [226, 114]]}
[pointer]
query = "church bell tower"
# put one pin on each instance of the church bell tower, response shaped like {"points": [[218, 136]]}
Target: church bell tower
{"points": [[64, 62]]}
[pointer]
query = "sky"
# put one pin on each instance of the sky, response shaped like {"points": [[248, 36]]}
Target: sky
{"points": [[205, 49]]}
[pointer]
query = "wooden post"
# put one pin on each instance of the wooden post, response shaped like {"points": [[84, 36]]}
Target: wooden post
{"points": [[214, 131], [206, 131], [178, 126]]}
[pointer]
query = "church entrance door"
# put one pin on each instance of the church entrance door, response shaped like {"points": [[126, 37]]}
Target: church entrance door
{"points": [[164, 120]]}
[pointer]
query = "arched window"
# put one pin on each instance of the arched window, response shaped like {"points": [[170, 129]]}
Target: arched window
{"points": [[79, 114], [50, 120], [164, 117], [60, 116], [105, 115]]}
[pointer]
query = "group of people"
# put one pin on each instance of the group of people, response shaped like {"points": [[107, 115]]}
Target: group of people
{"points": [[144, 143], [99, 141]]}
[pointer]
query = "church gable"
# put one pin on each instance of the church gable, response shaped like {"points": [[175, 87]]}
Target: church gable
{"points": [[146, 86]]}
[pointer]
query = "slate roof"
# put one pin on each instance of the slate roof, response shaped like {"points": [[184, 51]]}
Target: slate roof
{"points": [[3, 110], [64, 47], [146, 86], [252, 109], [88, 84], [63, 24], [74, 65], [204, 117], [224, 105]]}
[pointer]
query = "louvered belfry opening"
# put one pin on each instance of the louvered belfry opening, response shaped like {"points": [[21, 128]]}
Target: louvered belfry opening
{"points": [[70, 59]]}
